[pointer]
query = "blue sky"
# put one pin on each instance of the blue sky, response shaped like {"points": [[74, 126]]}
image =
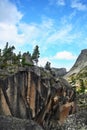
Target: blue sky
{"points": [[58, 27]]}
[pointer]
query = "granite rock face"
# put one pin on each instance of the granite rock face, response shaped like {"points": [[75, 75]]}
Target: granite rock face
{"points": [[59, 72], [81, 60], [80, 63], [35, 93], [18, 93]]}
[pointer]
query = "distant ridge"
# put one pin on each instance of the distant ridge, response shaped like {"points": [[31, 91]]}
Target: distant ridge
{"points": [[80, 63]]}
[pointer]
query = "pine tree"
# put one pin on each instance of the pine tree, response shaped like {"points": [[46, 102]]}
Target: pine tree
{"points": [[7, 53], [35, 54]]}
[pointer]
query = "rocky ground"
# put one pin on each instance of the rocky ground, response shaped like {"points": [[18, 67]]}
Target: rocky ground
{"points": [[77, 121], [12, 123]]}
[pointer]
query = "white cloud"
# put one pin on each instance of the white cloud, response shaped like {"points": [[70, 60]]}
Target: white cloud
{"points": [[65, 55], [62, 34], [62, 65], [9, 20], [47, 32], [9, 33], [78, 5], [60, 2], [58, 61], [9, 12], [43, 61], [57, 2], [14, 31], [30, 32]]}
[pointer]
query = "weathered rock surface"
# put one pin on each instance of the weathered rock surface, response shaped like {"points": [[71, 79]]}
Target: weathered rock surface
{"points": [[59, 72], [12, 123], [19, 93], [35, 93]]}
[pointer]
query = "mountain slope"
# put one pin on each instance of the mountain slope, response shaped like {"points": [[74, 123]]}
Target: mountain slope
{"points": [[77, 77], [80, 63]]}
